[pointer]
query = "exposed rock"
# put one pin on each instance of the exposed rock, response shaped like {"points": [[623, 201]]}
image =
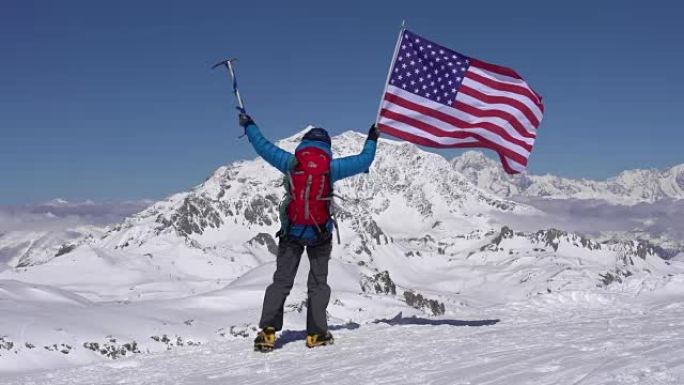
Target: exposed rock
{"points": [[380, 283], [112, 349], [267, 240], [62, 348], [417, 301], [64, 249]]}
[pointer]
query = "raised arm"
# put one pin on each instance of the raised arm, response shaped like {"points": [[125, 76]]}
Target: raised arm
{"points": [[274, 155], [351, 165]]}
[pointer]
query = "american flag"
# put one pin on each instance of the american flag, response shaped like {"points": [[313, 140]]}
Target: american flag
{"points": [[437, 97]]}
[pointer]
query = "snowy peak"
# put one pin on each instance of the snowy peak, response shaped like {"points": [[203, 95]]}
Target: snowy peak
{"points": [[243, 199], [629, 187], [487, 174], [473, 160], [291, 142]]}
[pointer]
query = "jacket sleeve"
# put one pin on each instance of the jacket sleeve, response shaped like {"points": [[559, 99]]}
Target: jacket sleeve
{"points": [[274, 155], [351, 165]]}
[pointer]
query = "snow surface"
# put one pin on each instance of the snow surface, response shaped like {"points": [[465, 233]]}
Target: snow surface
{"points": [[173, 294], [574, 338]]}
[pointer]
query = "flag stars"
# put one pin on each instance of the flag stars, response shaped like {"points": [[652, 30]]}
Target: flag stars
{"points": [[429, 70]]}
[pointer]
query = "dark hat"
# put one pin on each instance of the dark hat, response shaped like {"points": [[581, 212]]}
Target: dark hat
{"points": [[317, 134]]}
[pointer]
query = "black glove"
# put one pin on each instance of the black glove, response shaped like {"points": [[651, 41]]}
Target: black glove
{"points": [[245, 120], [373, 133]]}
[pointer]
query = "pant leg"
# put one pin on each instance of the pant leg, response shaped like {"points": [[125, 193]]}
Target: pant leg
{"points": [[287, 262], [318, 289]]}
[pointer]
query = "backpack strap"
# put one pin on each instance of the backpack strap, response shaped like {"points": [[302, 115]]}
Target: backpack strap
{"points": [[331, 210], [307, 195], [287, 198]]}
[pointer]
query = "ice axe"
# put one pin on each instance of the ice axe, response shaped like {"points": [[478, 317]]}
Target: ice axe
{"points": [[229, 65]]}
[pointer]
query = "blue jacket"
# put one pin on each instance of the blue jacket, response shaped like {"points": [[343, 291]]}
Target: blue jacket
{"points": [[340, 168]]}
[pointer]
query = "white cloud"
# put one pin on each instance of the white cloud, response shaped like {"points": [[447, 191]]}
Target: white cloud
{"points": [[59, 214], [594, 217]]}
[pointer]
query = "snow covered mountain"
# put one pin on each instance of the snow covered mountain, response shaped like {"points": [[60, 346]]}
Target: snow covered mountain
{"points": [[23, 248], [417, 237], [35, 233], [630, 187]]}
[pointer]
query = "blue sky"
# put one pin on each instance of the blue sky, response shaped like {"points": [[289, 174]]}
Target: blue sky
{"points": [[115, 100]]}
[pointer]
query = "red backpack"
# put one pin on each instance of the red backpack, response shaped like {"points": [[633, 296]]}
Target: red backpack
{"points": [[310, 188]]}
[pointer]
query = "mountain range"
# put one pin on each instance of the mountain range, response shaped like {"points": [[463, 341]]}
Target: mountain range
{"points": [[628, 188], [420, 235]]}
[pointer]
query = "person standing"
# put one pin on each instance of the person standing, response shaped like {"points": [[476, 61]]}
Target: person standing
{"points": [[307, 223]]}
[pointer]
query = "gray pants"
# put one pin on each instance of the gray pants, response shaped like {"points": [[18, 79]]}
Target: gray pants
{"points": [[290, 251]]}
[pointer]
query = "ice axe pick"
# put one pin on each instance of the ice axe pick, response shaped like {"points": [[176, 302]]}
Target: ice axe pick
{"points": [[231, 71]]}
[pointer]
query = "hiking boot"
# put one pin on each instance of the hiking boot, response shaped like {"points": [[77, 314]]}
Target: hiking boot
{"points": [[265, 340], [313, 340]]}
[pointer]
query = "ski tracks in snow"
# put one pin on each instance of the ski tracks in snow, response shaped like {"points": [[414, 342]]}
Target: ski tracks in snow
{"points": [[642, 346]]}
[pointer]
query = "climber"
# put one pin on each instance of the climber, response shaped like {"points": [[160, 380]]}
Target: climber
{"points": [[307, 222]]}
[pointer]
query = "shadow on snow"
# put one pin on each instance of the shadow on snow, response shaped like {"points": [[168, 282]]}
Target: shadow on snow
{"points": [[288, 336], [399, 320]]}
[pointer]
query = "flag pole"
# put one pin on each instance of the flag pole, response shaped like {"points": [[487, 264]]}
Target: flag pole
{"points": [[389, 70]]}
